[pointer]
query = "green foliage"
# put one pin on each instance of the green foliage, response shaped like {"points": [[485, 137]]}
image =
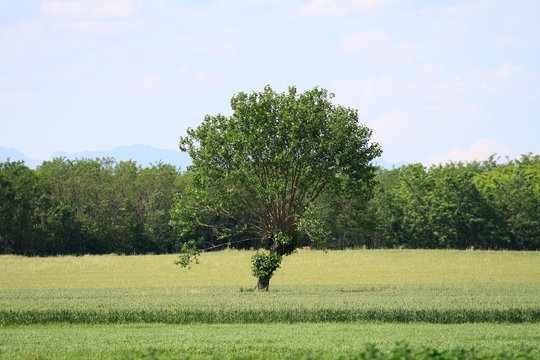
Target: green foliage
{"points": [[455, 205], [264, 264], [268, 315], [259, 170], [513, 192], [271, 341], [87, 206], [313, 224], [19, 199], [283, 239], [189, 254]]}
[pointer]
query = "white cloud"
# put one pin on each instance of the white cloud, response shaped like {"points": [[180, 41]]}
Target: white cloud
{"points": [[214, 44], [381, 90], [338, 7], [19, 42], [362, 41], [389, 128], [182, 82], [99, 27], [505, 42], [433, 108], [93, 17], [10, 96], [377, 46], [189, 80], [480, 150], [142, 83], [471, 84], [452, 110], [466, 9], [429, 72], [431, 87], [508, 70], [132, 84], [88, 8]]}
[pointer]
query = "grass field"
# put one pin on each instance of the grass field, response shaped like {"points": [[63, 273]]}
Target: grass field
{"points": [[232, 268], [259, 340], [130, 306]]}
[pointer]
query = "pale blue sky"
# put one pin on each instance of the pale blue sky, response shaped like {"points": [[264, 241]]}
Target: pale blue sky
{"points": [[435, 80]]}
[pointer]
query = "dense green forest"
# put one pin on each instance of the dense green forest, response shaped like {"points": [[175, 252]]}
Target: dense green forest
{"points": [[87, 207], [102, 206]]}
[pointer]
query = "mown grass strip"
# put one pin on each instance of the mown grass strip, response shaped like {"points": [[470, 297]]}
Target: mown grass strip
{"points": [[249, 316]]}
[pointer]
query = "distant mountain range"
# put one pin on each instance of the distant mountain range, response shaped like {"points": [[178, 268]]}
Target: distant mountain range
{"points": [[144, 155], [16, 155], [388, 165]]}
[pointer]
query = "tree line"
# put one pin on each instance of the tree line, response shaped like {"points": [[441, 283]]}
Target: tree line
{"points": [[97, 206], [87, 207], [484, 205]]}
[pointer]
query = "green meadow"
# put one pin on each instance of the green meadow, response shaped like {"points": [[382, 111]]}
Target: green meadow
{"points": [[320, 305], [266, 341]]}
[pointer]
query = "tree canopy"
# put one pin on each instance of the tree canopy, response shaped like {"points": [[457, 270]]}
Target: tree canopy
{"points": [[263, 167]]}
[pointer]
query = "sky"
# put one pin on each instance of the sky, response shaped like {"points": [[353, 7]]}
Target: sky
{"points": [[435, 80]]}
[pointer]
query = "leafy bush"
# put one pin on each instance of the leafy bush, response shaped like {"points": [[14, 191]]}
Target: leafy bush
{"points": [[264, 264]]}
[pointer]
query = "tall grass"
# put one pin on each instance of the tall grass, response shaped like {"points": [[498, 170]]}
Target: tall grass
{"points": [[434, 286], [232, 268], [277, 315], [271, 341]]}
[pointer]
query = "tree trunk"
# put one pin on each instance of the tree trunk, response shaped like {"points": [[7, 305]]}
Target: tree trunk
{"points": [[262, 284]]}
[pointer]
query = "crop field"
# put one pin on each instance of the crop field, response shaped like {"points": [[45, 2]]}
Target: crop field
{"points": [[320, 305]]}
